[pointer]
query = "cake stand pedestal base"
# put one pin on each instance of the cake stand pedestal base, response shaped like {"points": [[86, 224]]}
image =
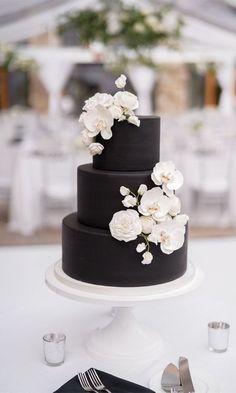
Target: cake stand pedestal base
{"points": [[124, 338]]}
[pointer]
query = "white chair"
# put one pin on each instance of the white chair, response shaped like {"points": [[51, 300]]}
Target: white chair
{"points": [[59, 186], [210, 186], [8, 155]]}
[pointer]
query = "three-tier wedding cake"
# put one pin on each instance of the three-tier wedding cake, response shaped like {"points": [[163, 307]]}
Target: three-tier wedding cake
{"points": [[128, 230]]}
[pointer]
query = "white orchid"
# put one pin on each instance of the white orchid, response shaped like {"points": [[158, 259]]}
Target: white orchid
{"points": [[134, 120], [175, 206], [85, 138], [121, 81], [169, 234], [129, 201], [103, 99], [124, 191], [99, 120], [125, 225], [181, 219], [125, 99], [154, 203], [141, 247], [165, 174], [116, 111], [95, 148], [147, 224], [142, 189], [147, 258]]}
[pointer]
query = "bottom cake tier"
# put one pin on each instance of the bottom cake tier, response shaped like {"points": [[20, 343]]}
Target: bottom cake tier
{"points": [[92, 255]]}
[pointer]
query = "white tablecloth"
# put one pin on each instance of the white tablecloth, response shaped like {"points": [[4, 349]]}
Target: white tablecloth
{"points": [[29, 309]]}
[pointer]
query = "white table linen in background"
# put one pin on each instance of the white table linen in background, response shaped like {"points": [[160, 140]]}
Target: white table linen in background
{"points": [[29, 309], [26, 205]]}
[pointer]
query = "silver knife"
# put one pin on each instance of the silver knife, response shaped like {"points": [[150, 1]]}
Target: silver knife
{"points": [[185, 376], [170, 379]]}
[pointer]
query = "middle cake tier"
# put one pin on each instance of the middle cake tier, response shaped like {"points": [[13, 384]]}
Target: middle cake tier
{"points": [[99, 193]]}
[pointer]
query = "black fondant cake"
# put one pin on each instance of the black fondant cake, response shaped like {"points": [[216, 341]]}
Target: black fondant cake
{"points": [[90, 253]]}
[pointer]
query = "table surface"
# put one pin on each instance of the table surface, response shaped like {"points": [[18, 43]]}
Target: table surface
{"points": [[28, 310]]}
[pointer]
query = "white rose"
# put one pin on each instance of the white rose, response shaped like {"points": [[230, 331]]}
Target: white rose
{"points": [[85, 138], [95, 148], [125, 225], [147, 224], [175, 206], [154, 203], [169, 234], [103, 99], [141, 247], [134, 120], [99, 120], [181, 219], [129, 201], [142, 189], [126, 100], [165, 173], [121, 81], [147, 258], [124, 191], [116, 111]]}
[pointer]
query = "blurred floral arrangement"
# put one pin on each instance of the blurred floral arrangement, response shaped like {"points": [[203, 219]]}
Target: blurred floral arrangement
{"points": [[125, 27], [10, 60]]}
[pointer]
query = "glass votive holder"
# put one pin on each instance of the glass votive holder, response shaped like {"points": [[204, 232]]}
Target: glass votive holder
{"points": [[218, 336], [54, 348]]}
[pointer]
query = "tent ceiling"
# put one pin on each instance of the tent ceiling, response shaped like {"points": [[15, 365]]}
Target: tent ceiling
{"points": [[11, 10], [19, 20]]}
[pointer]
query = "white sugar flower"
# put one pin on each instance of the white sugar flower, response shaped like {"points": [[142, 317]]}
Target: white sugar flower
{"points": [[181, 219], [125, 225], [129, 201], [175, 206], [95, 148], [116, 111], [147, 224], [121, 81], [147, 258], [126, 100], [142, 189], [81, 118], [169, 234], [165, 173], [141, 247], [85, 138], [154, 203], [124, 191], [134, 120], [103, 99], [99, 120]]}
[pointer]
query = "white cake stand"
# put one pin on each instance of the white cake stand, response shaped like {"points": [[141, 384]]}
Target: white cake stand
{"points": [[123, 338]]}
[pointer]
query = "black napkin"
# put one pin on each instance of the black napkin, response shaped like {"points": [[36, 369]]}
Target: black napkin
{"points": [[114, 384]]}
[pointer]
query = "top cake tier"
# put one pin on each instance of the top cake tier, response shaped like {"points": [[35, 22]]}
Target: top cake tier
{"points": [[131, 148]]}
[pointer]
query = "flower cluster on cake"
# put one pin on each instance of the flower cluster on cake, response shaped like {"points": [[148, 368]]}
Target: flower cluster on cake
{"points": [[153, 214], [100, 111]]}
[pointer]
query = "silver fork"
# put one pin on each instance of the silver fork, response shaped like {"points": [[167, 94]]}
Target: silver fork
{"points": [[84, 382], [96, 381]]}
